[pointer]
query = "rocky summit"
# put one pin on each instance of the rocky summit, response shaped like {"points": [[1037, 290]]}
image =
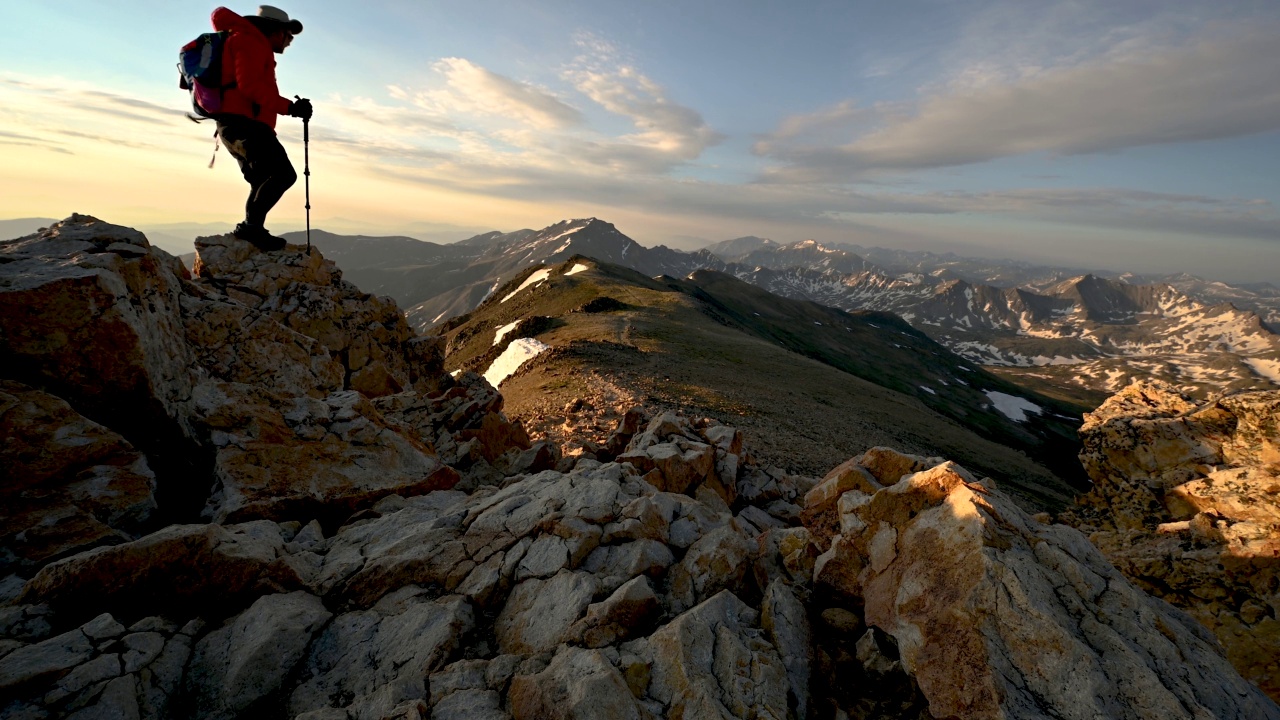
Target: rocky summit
{"points": [[251, 491]]}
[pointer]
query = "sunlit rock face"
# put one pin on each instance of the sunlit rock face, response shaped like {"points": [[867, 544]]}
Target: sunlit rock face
{"points": [[1186, 503], [994, 614], [365, 334]]}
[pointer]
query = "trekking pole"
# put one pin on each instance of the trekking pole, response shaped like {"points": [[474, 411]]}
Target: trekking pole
{"points": [[306, 172]]}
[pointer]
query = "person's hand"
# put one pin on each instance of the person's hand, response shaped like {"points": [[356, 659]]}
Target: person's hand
{"points": [[300, 108]]}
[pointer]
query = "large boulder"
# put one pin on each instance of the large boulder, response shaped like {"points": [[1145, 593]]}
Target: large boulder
{"points": [[1186, 503], [1144, 441], [284, 456], [371, 662], [539, 613], [252, 655], [194, 567], [719, 560], [713, 661], [240, 344], [578, 684], [67, 484], [90, 312], [784, 617], [379, 352], [996, 615]]}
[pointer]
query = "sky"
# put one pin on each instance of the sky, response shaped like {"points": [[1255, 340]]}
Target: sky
{"points": [[1116, 134]]}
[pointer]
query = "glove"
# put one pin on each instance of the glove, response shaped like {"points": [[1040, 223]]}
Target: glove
{"points": [[300, 109]]}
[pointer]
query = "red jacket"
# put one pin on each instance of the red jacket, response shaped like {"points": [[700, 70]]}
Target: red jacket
{"points": [[250, 61]]}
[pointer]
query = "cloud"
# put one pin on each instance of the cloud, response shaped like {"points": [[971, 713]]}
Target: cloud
{"points": [[19, 136], [472, 89], [850, 209], [1215, 88], [483, 119], [42, 144], [98, 137], [1120, 208], [68, 117], [667, 133]]}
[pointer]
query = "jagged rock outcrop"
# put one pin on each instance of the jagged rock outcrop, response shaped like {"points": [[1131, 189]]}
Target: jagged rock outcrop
{"points": [[378, 351], [1186, 503], [714, 661], [90, 312], [245, 387], [66, 483], [993, 614]]}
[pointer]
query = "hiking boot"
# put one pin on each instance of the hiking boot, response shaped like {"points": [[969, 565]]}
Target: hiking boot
{"points": [[259, 237]]}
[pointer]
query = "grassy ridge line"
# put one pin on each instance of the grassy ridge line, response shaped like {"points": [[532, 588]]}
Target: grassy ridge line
{"points": [[802, 413]]}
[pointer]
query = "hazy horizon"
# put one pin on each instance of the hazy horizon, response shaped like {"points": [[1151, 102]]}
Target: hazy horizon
{"points": [[1133, 136], [172, 238]]}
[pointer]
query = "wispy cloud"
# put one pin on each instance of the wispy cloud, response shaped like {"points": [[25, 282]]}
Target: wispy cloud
{"points": [[1215, 88], [667, 133], [468, 115], [49, 112], [472, 89]]}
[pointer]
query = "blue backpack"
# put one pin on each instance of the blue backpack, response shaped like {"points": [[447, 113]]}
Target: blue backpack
{"points": [[200, 71]]}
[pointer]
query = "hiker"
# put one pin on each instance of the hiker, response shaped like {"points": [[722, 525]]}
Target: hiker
{"points": [[250, 103]]}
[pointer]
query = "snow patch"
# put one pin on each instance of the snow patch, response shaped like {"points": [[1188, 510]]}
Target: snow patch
{"points": [[577, 268], [502, 331], [928, 389], [519, 352], [534, 279], [1013, 407], [1269, 369]]}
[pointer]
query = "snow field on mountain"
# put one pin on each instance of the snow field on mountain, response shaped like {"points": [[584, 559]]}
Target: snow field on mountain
{"points": [[517, 353], [502, 331], [1269, 369], [577, 268], [534, 279], [1013, 407]]}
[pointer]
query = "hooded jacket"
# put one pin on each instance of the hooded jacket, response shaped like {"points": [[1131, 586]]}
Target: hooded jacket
{"points": [[249, 60]]}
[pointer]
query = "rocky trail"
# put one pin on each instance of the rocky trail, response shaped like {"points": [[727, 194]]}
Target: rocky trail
{"points": [[251, 491]]}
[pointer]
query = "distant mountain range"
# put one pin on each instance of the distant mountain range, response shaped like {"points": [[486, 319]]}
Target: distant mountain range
{"points": [[19, 227], [1077, 334], [1088, 332]]}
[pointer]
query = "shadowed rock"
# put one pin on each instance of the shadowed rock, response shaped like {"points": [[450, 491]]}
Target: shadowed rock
{"points": [[66, 483]]}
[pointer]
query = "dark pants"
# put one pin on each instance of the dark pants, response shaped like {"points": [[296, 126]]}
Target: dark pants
{"points": [[263, 162]]}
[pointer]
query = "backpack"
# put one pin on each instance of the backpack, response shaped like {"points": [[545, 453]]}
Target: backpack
{"points": [[200, 71]]}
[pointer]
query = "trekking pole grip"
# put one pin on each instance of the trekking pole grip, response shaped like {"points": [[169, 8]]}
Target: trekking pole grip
{"points": [[306, 123]]}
